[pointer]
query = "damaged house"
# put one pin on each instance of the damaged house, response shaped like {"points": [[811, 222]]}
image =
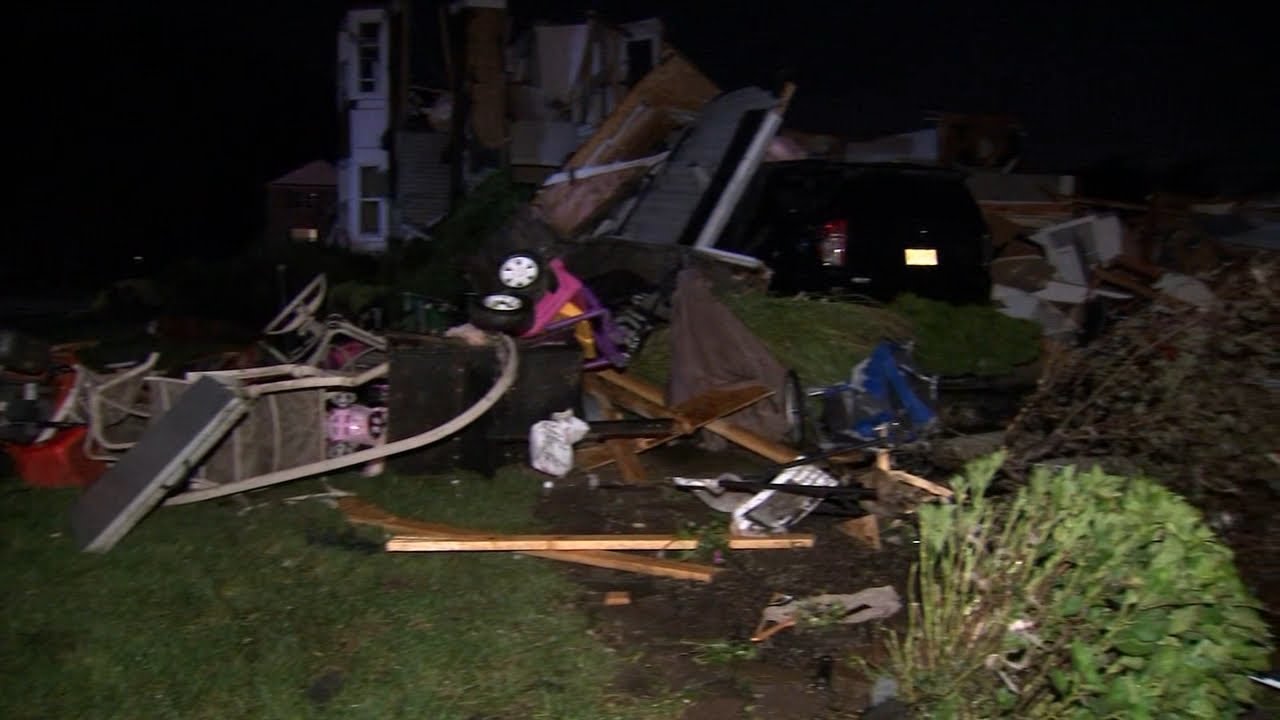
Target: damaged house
{"points": [[409, 148]]}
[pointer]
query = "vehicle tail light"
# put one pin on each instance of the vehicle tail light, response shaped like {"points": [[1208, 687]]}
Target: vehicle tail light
{"points": [[833, 240]]}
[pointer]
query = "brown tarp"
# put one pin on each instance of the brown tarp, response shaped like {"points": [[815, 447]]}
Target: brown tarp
{"points": [[712, 349]]}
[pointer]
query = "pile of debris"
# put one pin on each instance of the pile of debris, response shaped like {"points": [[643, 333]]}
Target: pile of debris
{"points": [[1072, 263], [1184, 394]]}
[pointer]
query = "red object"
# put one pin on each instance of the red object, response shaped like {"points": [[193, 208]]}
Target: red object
{"points": [[60, 462], [833, 241]]}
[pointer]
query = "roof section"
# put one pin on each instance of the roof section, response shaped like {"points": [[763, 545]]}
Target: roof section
{"points": [[314, 173], [666, 208]]}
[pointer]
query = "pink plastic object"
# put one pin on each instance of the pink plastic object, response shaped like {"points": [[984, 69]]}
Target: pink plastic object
{"points": [[549, 305], [570, 289], [342, 354], [357, 424]]}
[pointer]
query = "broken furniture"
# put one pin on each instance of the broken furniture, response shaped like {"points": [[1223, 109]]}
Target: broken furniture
{"points": [[296, 335], [177, 442], [156, 465], [432, 379], [692, 415]]}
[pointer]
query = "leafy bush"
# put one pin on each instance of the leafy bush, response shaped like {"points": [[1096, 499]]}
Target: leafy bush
{"points": [[1085, 596], [967, 339]]}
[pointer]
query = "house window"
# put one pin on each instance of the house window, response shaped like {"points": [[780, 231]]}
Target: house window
{"points": [[304, 234], [370, 52], [370, 217], [372, 182]]}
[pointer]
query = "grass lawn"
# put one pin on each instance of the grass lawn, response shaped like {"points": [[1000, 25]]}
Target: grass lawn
{"points": [[283, 612]]}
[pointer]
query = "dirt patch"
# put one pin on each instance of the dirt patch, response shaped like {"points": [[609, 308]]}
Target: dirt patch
{"points": [[695, 637]]}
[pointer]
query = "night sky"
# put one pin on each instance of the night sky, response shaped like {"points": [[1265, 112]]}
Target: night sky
{"points": [[150, 128]]}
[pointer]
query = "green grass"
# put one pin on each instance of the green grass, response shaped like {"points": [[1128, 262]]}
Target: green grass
{"points": [[203, 613], [823, 339], [968, 339]]}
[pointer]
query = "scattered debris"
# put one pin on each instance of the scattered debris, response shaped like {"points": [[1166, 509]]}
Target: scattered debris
{"points": [[771, 507], [1181, 395], [785, 611], [865, 530], [551, 443], [703, 410]]}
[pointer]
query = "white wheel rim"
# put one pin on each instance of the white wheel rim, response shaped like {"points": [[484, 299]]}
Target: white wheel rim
{"points": [[505, 303], [519, 271]]}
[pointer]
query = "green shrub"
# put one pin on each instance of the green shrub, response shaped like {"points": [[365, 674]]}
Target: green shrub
{"points": [[1084, 596]]}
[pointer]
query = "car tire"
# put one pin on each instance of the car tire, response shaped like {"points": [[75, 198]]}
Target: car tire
{"points": [[509, 313], [523, 271]]}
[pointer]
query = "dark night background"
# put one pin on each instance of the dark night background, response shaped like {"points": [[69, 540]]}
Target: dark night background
{"points": [[150, 128]]}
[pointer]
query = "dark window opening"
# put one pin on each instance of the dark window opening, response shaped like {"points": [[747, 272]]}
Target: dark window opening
{"points": [[370, 52], [370, 217], [639, 59]]}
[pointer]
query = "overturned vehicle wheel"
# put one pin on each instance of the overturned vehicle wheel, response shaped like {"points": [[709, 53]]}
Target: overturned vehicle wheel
{"points": [[510, 313]]}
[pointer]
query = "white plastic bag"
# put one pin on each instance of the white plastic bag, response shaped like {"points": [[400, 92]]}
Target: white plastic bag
{"points": [[551, 443]]}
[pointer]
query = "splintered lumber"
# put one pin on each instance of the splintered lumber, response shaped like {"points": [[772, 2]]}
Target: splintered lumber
{"points": [[362, 513], [770, 449], [865, 529], [623, 452], [883, 464], [707, 410], [434, 543]]}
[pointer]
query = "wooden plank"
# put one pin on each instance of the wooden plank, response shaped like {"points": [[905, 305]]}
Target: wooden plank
{"points": [[599, 386], [698, 412], [487, 543], [614, 598], [919, 482], [416, 543], [623, 452], [705, 407], [363, 513], [884, 464], [765, 447]]}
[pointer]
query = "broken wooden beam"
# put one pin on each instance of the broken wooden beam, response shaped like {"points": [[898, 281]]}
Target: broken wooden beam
{"points": [[884, 464], [654, 399], [474, 543], [363, 513], [865, 529]]}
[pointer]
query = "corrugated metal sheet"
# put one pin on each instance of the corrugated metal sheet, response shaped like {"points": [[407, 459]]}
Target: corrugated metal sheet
{"points": [[422, 176], [666, 207]]}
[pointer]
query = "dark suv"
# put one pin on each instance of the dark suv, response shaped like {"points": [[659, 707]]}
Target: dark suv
{"points": [[866, 229]]}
